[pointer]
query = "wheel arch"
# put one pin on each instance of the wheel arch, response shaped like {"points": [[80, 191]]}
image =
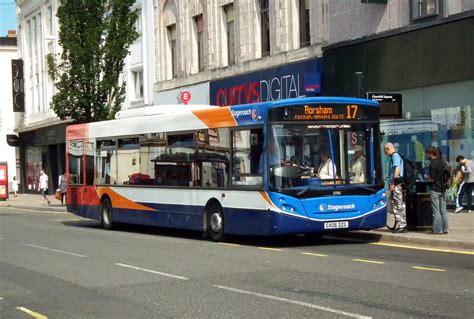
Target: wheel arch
{"points": [[210, 202]]}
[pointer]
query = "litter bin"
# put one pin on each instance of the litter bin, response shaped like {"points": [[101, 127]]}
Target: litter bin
{"points": [[418, 207]]}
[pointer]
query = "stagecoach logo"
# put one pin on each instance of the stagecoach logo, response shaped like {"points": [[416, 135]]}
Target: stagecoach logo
{"points": [[322, 207], [336, 208], [255, 113], [239, 113]]}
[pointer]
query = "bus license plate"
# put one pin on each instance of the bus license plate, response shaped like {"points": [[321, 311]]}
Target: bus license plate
{"points": [[336, 225]]}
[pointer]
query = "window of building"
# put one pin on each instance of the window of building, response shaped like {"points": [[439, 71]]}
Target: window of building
{"points": [[50, 20], [171, 30], [137, 78], [199, 25], [265, 27], [305, 38], [424, 8], [247, 157], [229, 16]]}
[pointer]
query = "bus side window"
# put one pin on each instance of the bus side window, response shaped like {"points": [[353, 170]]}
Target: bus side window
{"points": [[247, 147]]}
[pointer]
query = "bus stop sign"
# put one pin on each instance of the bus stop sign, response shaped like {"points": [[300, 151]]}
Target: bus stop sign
{"points": [[390, 104]]}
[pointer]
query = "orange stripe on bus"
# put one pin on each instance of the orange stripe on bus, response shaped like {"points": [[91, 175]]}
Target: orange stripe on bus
{"points": [[118, 201], [214, 118], [267, 199], [78, 131]]}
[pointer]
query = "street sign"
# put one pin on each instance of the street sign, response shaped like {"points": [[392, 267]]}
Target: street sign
{"points": [[390, 104]]}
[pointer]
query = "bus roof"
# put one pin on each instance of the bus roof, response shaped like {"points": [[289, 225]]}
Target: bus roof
{"points": [[167, 118]]}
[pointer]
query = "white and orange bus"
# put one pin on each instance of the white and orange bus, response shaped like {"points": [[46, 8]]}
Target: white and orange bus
{"points": [[253, 169]]}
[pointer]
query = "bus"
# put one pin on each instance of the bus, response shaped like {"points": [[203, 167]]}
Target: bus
{"points": [[295, 166]]}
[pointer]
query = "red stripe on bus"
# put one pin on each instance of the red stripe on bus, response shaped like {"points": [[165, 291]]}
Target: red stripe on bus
{"points": [[214, 118], [118, 201], [267, 199]]}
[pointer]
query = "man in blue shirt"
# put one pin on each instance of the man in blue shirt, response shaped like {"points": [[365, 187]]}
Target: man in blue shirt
{"points": [[397, 194]]}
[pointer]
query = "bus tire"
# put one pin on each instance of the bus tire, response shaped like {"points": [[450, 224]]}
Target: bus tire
{"points": [[106, 216], [215, 222]]}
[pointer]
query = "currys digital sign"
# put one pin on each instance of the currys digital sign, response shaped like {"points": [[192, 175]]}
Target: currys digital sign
{"points": [[288, 81]]}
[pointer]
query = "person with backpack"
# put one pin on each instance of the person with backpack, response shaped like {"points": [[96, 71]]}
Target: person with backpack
{"points": [[439, 179], [467, 184], [397, 192]]}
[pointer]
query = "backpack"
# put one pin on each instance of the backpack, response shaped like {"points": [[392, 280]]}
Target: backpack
{"points": [[410, 172], [445, 177]]}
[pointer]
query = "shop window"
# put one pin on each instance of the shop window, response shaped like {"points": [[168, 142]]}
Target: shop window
{"points": [[247, 157], [32, 167], [76, 162], [213, 160]]}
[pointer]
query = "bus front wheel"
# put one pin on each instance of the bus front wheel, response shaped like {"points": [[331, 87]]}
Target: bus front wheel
{"points": [[106, 214], [215, 223]]}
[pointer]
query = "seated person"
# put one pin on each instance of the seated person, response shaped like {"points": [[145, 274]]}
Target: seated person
{"points": [[357, 167], [326, 169]]}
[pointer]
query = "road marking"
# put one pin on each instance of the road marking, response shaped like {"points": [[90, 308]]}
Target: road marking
{"points": [[465, 252], [369, 261], [427, 268], [65, 219], [314, 254], [271, 249], [295, 302], [32, 313], [152, 271], [229, 244], [56, 250]]}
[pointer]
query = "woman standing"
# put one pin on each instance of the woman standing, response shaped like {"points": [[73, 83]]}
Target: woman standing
{"points": [[15, 186], [43, 186], [62, 186]]}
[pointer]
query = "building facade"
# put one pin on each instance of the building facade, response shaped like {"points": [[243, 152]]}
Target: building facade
{"points": [[8, 52], [41, 134], [251, 50]]}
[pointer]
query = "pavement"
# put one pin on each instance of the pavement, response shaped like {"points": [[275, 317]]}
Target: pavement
{"points": [[460, 237]]}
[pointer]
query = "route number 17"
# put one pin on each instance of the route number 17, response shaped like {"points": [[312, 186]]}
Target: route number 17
{"points": [[351, 111]]}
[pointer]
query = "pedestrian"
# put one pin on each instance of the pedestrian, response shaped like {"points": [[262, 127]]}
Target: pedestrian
{"points": [[437, 191], [467, 184], [397, 193], [43, 186], [15, 186], [62, 186]]}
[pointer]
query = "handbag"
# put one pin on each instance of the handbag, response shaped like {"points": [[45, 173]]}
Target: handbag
{"points": [[57, 194]]}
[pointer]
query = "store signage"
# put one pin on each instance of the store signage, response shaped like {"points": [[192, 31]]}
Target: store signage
{"points": [[288, 81], [18, 86]]}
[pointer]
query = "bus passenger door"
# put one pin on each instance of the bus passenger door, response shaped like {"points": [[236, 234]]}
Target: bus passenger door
{"points": [[90, 208], [75, 164]]}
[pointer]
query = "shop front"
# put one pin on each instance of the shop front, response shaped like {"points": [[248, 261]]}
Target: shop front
{"points": [[43, 148], [432, 68]]}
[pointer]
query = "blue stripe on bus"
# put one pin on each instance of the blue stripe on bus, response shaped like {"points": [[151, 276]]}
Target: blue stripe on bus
{"points": [[238, 221]]}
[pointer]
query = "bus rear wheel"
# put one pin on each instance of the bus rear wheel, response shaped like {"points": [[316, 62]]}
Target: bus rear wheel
{"points": [[215, 222], [106, 214]]}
